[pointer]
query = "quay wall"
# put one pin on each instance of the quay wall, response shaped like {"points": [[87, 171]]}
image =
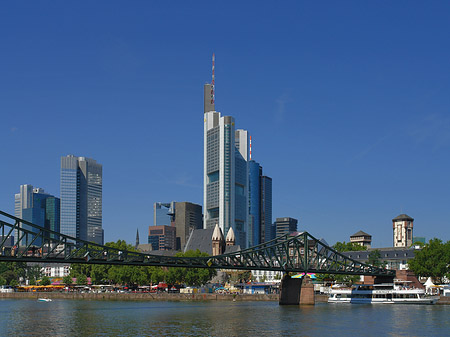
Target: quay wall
{"points": [[319, 298], [148, 296]]}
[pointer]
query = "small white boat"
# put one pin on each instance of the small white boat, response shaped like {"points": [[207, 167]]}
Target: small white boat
{"points": [[44, 299], [386, 293]]}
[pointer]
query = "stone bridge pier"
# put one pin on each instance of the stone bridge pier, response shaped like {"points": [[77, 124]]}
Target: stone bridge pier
{"points": [[295, 291]]}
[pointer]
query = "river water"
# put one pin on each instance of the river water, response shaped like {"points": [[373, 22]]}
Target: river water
{"points": [[23, 317]]}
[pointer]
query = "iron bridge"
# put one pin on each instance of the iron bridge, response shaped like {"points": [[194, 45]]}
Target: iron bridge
{"points": [[287, 253]]}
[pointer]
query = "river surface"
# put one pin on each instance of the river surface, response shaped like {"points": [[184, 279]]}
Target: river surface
{"points": [[24, 317]]}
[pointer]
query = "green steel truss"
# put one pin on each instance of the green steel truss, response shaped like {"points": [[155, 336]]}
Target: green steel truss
{"points": [[288, 253]]}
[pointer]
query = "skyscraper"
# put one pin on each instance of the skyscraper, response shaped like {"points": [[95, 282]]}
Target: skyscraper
{"points": [[254, 192], [163, 213], [40, 208], [81, 198], [188, 216], [225, 171], [268, 230]]}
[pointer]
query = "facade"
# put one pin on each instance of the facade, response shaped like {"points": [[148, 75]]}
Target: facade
{"points": [[55, 270], [163, 213], [40, 208], [188, 216], [402, 226], [81, 198], [254, 195], [225, 175], [391, 257], [162, 237], [268, 230], [285, 226], [361, 238]]}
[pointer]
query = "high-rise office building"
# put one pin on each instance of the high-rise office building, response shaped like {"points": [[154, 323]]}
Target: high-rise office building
{"points": [[40, 208], [225, 191], [267, 228], [285, 226], [235, 193], [81, 198], [163, 213], [254, 189], [162, 237], [188, 216]]}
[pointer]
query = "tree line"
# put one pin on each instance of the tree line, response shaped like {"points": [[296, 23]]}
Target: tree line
{"points": [[12, 272], [140, 275]]}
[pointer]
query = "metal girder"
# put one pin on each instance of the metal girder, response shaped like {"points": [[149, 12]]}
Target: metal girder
{"points": [[287, 253]]}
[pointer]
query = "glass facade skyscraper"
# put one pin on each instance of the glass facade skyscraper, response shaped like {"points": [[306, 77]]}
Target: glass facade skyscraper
{"points": [[255, 171], [232, 189], [39, 208], [81, 198]]}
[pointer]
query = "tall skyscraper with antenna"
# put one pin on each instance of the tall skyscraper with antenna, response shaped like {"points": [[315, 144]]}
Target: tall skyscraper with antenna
{"points": [[225, 166]]}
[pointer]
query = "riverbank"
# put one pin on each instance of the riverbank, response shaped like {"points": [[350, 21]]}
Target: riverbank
{"points": [[148, 296], [319, 298]]}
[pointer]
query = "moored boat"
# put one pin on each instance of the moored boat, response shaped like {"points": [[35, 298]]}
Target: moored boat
{"points": [[385, 293]]}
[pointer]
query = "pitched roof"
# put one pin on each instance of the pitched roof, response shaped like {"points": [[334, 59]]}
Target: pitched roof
{"points": [[403, 217], [360, 233], [230, 235], [217, 234], [232, 249], [200, 239]]}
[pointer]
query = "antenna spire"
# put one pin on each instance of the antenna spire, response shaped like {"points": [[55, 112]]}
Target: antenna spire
{"points": [[213, 94]]}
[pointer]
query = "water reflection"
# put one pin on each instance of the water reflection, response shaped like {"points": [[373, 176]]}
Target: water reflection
{"points": [[107, 318]]}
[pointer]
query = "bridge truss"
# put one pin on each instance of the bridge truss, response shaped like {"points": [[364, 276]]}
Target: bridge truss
{"points": [[288, 253]]}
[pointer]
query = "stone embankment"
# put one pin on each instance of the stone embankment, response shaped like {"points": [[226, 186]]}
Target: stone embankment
{"points": [[141, 296], [149, 296], [319, 298]]}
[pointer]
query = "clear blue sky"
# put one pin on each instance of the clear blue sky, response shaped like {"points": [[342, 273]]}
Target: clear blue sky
{"points": [[347, 103]]}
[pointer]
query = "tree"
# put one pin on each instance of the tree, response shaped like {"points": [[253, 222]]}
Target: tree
{"points": [[67, 280], [432, 261], [348, 247], [45, 281], [82, 280], [374, 258]]}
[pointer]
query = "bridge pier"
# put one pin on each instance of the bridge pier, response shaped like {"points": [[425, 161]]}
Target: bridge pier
{"points": [[295, 291]]}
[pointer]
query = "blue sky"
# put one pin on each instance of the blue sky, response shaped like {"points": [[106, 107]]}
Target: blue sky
{"points": [[347, 103]]}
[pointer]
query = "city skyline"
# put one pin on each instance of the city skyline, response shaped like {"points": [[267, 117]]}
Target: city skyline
{"points": [[347, 107]]}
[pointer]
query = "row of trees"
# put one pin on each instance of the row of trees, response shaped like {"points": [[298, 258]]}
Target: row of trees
{"points": [[138, 275], [433, 260], [12, 272]]}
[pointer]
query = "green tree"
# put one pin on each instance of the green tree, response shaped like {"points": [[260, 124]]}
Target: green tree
{"points": [[433, 260], [9, 276], [348, 247], [2, 281], [33, 272], [67, 280], [82, 280], [45, 281], [374, 258]]}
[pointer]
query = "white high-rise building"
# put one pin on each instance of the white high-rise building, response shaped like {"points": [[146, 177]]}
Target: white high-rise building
{"points": [[225, 185]]}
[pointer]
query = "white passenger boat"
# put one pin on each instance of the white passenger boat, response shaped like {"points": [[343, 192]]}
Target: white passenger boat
{"points": [[385, 293]]}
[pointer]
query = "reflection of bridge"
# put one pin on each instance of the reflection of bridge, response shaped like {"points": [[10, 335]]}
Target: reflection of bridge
{"points": [[288, 253]]}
